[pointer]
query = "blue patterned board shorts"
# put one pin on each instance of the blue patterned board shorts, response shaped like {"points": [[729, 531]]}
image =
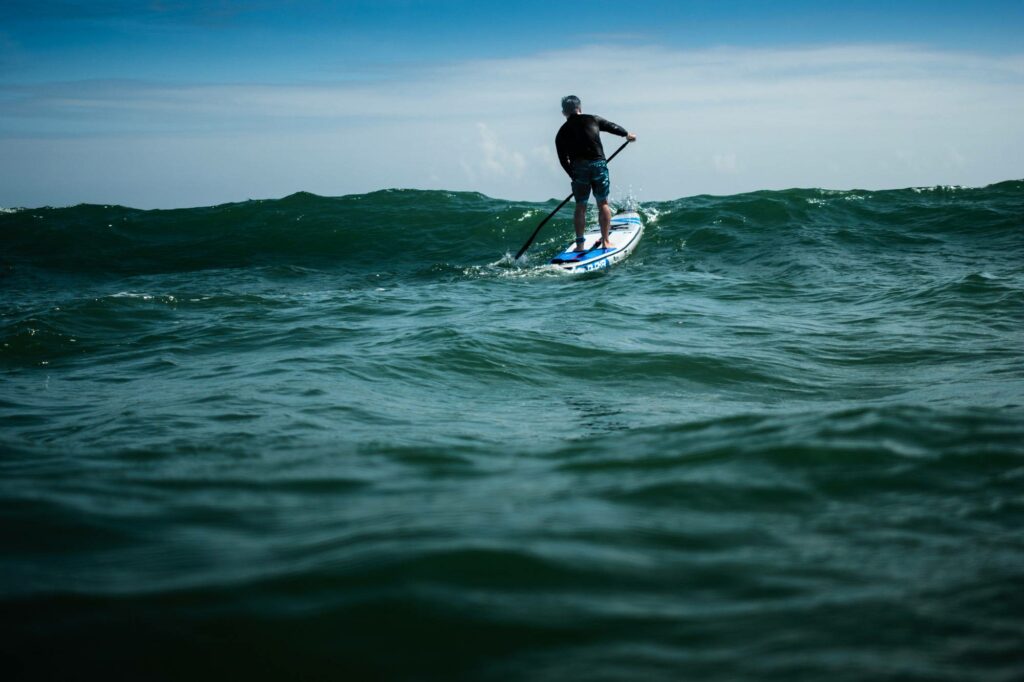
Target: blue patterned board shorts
{"points": [[587, 175]]}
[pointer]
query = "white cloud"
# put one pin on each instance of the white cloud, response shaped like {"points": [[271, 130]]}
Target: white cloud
{"points": [[494, 158], [725, 163], [716, 121]]}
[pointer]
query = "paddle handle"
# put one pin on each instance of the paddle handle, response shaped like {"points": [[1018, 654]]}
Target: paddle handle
{"points": [[616, 152]]}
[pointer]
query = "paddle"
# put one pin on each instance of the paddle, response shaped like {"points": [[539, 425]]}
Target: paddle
{"points": [[566, 201]]}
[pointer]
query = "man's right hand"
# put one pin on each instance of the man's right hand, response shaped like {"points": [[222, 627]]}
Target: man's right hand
{"points": [[630, 137]]}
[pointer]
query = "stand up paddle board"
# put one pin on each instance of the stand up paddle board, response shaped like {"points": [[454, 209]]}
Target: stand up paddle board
{"points": [[626, 230]]}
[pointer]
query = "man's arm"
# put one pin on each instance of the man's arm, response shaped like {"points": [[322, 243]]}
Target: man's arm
{"points": [[607, 126], [563, 156]]}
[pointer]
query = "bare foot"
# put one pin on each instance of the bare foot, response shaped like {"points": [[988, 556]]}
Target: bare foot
{"points": [[607, 244]]}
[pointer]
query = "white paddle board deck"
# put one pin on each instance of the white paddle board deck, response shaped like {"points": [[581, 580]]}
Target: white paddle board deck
{"points": [[626, 230]]}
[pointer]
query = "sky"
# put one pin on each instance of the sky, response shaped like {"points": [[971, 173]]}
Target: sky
{"points": [[170, 103]]}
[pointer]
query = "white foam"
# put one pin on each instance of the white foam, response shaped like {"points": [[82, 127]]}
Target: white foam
{"points": [[165, 298], [508, 267], [937, 188], [653, 214], [507, 261]]}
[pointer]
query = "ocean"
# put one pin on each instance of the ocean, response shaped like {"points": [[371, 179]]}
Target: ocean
{"points": [[350, 438]]}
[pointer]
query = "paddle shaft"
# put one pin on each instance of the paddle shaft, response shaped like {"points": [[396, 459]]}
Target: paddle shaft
{"points": [[564, 202]]}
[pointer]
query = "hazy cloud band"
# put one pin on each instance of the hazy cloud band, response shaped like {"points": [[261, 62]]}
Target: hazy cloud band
{"points": [[710, 121]]}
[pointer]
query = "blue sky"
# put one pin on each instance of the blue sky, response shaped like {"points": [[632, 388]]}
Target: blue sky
{"points": [[171, 103]]}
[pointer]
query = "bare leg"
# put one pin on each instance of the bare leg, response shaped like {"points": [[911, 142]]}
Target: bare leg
{"points": [[604, 212], [579, 221]]}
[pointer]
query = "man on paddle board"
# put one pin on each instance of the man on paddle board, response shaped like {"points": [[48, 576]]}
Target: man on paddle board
{"points": [[580, 152]]}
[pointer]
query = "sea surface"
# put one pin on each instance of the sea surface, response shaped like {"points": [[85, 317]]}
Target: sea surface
{"points": [[350, 438]]}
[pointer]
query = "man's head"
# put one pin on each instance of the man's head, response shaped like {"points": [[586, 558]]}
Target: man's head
{"points": [[570, 105]]}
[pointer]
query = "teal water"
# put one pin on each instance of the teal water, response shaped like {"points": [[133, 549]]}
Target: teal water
{"points": [[345, 438]]}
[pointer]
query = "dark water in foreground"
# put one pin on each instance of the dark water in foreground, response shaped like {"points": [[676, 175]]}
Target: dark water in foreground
{"points": [[333, 438]]}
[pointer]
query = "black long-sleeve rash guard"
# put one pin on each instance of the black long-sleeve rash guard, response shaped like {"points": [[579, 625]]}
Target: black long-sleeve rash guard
{"points": [[579, 138]]}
